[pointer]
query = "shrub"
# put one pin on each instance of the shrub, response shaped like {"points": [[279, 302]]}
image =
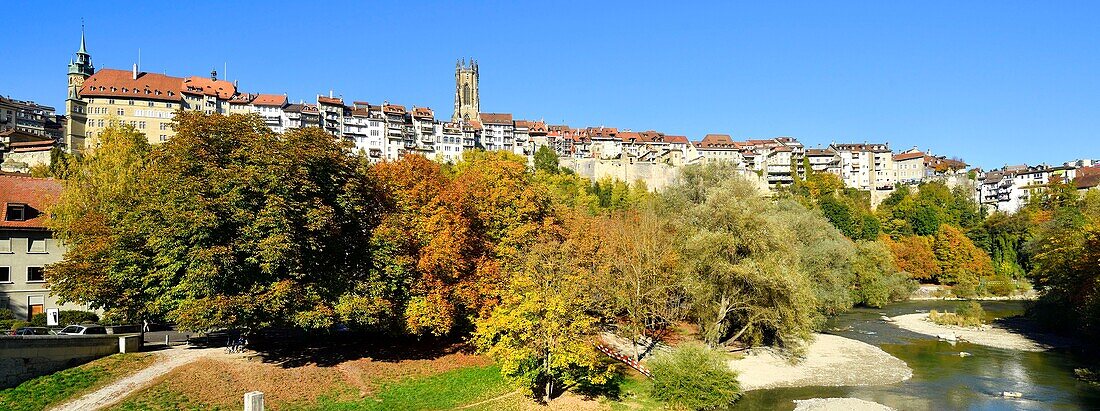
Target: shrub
{"points": [[6, 314], [66, 317], [969, 314], [12, 324], [694, 377]]}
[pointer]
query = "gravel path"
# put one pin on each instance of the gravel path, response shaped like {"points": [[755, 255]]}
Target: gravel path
{"points": [[830, 361], [993, 336], [838, 404], [116, 391]]}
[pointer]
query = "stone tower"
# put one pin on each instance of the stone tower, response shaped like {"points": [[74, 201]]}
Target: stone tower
{"points": [[76, 116], [467, 101]]}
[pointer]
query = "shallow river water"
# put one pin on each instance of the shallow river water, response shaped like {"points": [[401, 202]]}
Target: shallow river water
{"points": [[942, 380]]}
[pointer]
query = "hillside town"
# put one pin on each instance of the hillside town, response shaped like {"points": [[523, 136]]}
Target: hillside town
{"points": [[827, 217], [386, 131]]}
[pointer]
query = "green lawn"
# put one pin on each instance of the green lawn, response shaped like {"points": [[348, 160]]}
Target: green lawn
{"points": [[442, 391], [635, 395], [48, 390]]}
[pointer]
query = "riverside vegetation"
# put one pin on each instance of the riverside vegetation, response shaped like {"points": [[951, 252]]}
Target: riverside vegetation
{"points": [[231, 225]]}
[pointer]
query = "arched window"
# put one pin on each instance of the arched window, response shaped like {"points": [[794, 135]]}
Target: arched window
{"points": [[465, 94]]}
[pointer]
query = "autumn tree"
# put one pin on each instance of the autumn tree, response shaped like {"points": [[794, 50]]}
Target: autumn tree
{"points": [[542, 331], [962, 264], [913, 255], [446, 233], [1065, 253], [642, 284]]}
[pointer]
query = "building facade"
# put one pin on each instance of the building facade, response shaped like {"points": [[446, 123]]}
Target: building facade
{"points": [[26, 246]]}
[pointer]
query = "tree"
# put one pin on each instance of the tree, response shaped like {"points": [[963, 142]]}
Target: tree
{"points": [[914, 255], [642, 284], [961, 262], [1065, 252], [226, 225], [103, 265], [738, 269], [447, 235], [541, 333], [877, 278], [546, 160]]}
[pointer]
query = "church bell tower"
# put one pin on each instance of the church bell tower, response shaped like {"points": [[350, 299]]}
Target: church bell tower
{"points": [[76, 116], [467, 101]]}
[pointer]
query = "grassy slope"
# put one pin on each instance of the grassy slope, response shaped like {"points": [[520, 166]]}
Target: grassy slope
{"points": [[61, 386], [442, 391]]}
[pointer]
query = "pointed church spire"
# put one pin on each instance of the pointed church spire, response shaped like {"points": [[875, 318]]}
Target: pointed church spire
{"points": [[83, 47]]}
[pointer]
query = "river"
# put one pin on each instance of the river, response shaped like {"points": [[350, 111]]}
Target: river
{"points": [[942, 379]]}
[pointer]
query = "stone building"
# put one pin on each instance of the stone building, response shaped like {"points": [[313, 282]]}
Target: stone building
{"points": [[467, 100]]}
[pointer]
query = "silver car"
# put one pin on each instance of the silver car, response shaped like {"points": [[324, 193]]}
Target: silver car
{"points": [[84, 329]]}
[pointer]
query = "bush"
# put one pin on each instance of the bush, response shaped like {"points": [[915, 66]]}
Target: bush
{"points": [[969, 314], [6, 314], [66, 317], [12, 324], [694, 377]]}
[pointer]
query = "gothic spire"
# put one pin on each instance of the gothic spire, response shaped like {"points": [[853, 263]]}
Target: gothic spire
{"points": [[83, 47]]}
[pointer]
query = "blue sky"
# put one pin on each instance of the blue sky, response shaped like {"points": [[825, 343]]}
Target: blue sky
{"points": [[991, 82]]}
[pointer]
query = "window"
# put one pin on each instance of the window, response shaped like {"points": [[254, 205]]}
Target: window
{"points": [[5, 276], [37, 246], [35, 274], [163, 126], [99, 122], [141, 125], [16, 212], [150, 104], [163, 138], [131, 102], [121, 112]]}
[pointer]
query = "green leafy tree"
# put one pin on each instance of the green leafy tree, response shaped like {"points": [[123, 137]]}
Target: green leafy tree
{"points": [[546, 160], [225, 225]]}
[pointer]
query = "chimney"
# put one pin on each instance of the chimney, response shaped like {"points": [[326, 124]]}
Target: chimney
{"points": [[135, 71], [329, 93]]}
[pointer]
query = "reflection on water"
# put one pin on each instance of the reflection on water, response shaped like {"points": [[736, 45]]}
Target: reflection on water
{"points": [[944, 380]]}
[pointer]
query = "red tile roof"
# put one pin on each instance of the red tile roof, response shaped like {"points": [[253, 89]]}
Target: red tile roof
{"points": [[393, 109], [271, 100], [205, 86], [677, 139], [120, 83], [423, 112], [495, 118], [38, 194], [908, 156], [330, 100], [718, 141]]}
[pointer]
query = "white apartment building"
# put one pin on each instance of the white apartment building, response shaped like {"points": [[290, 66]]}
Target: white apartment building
{"points": [[866, 166]]}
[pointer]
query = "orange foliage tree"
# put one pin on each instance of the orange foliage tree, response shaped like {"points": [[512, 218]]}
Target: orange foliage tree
{"points": [[914, 256]]}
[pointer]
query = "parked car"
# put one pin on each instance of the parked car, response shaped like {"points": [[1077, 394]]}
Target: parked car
{"points": [[83, 329], [31, 331]]}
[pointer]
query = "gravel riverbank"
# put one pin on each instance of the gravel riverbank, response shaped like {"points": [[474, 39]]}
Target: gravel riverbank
{"points": [[838, 404], [829, 361], [991, 336]]}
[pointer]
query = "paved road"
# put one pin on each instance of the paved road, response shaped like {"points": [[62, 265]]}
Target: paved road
{"points": [[157, 337]]}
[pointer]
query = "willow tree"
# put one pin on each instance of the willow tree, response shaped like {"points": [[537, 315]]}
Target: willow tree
{"points": [[742, 268]]}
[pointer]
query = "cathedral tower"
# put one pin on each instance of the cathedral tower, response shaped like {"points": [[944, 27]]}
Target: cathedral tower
{"points": [[75, 108], [467, 101]]}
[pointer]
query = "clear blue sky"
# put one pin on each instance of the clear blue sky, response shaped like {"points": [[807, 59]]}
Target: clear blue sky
{"points": [[991, 82]]}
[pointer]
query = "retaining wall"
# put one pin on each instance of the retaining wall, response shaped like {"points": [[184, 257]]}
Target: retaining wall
{"points": [[23, 357]]}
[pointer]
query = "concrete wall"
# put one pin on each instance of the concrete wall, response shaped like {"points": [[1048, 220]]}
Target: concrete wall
{"points": [[23, 357]]}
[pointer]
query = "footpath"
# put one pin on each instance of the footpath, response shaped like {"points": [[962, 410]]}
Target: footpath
{"points": [[168, 360]]}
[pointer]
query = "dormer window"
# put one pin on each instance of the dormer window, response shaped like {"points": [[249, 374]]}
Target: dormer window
{"points": [[16, 212]]}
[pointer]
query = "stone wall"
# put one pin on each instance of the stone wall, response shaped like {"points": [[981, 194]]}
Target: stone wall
{"points": [[655, 175], [23, 357]]}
